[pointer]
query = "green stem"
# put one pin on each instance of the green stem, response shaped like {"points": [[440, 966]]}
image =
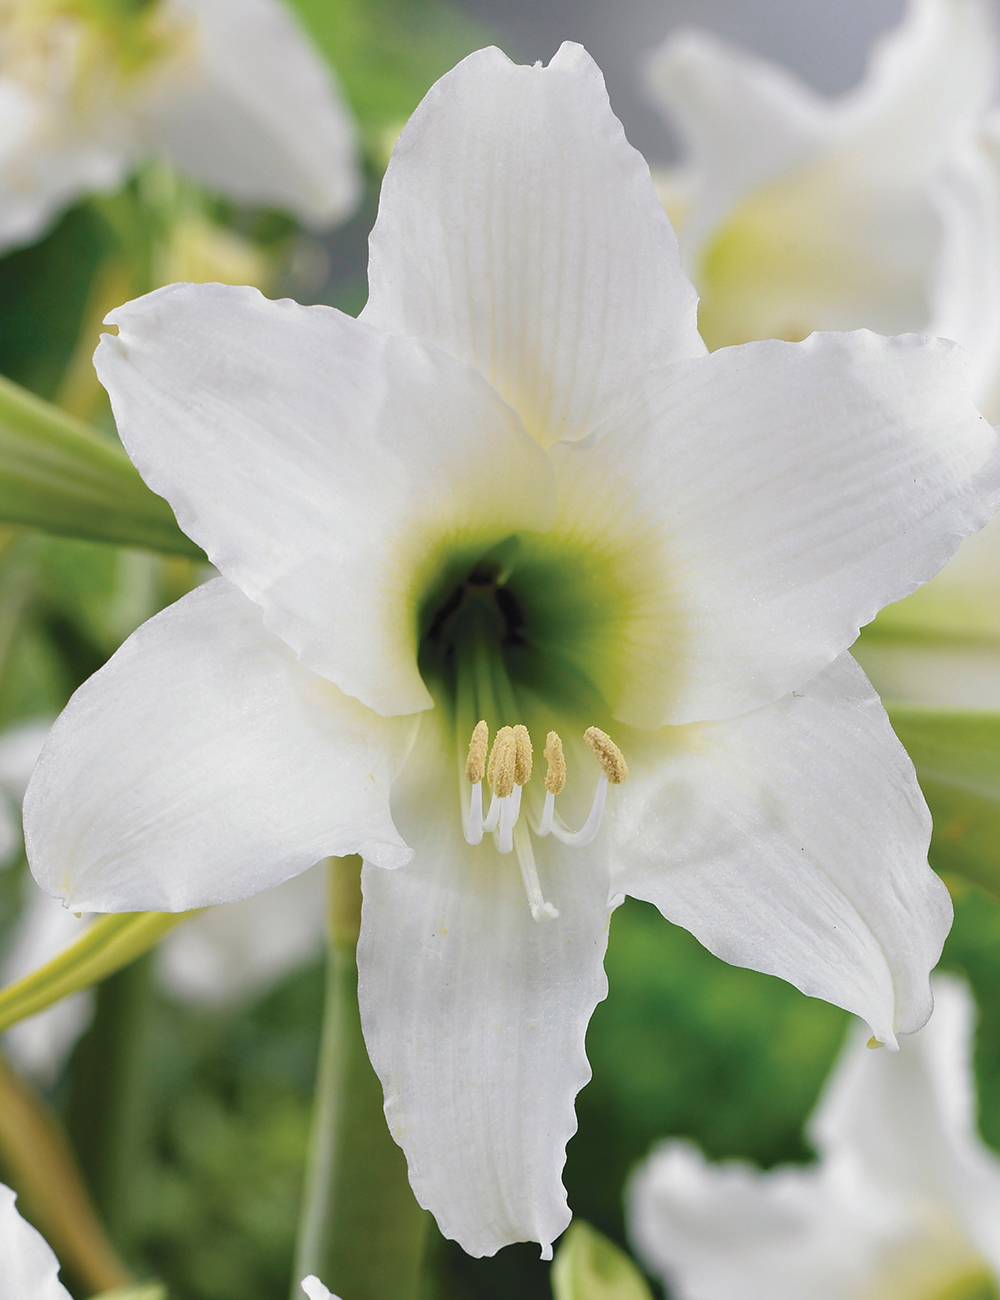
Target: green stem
{"points": [[109, 1102], [361, 1231]]}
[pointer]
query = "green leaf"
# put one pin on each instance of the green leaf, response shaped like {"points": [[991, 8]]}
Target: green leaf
{"points": [[388, 53], [58, 475], [146, 1291], [588, 1266], [107, 945], [957, 757]]}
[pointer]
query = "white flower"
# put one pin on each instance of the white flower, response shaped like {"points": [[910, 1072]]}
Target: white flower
{"points": [[315, 1289], [520, 490], [233, 953], [800, 212], [19, 750], [903, 1204], [229, 91], [30, 1271], [39, 1045]]}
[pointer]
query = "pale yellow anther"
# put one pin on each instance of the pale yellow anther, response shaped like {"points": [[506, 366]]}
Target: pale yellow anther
{"points": [[555, 777], [500, 769], [475, 764], [607, 754], [522, 755]]}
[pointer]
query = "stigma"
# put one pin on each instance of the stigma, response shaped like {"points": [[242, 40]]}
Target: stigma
{"points": [[507, 769]]}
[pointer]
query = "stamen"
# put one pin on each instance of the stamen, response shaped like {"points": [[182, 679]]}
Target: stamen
{"points": [[607, 754], [540, 909], [522, 755], [581, 838], [475, 768], [500, 770], [555, 777], [615, 770], [475, 764]]}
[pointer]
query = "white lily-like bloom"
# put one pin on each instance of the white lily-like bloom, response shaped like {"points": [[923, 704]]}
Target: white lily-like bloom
{"points": [[229, 91], [231, 954], [39, 1045], [315, 1289], [30, 1271], [799, 212], [518, 498], [903, 1204]]}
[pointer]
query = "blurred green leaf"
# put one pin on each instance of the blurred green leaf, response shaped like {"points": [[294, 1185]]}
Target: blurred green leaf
{"points": [[45, 291], [147, 1291], [588, 1266], [388, 53], [957, 757], [59, 475], [107, 945]]}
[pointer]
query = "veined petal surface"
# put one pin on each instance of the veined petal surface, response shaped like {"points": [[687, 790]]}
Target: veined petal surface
{"points": [[475, 1015], [786, 493], [211, 766], [253, 112], [793, 840], [30, 1269], [519, 230], [325, 466]]}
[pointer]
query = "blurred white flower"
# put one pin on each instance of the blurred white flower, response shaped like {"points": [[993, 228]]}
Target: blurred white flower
{"points": [[903, 1203], [19, 750], [232, 953], [229, 91], [28, 1268], [797, 212], [313, 1288], [39, 1045], [519, 489]]}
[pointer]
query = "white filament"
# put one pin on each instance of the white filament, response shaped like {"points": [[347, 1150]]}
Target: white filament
{"points": [[493, 816], [585, 835], [540, 909], [474, 826]]}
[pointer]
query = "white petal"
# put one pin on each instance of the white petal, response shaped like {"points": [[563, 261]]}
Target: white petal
{"points": [[475, 1015], [785, 493], [520, 231], [233, 953], [806, 213], [742, 121], [40, 1045], [794, 841], [203, 764], [717, 1232], [907, 1120], [30, 1269], [966, 294], [255, 112], [315, 1289], [322, 464]]}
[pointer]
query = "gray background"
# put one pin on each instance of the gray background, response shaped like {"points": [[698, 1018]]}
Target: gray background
{"points": [[825, 41]]}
